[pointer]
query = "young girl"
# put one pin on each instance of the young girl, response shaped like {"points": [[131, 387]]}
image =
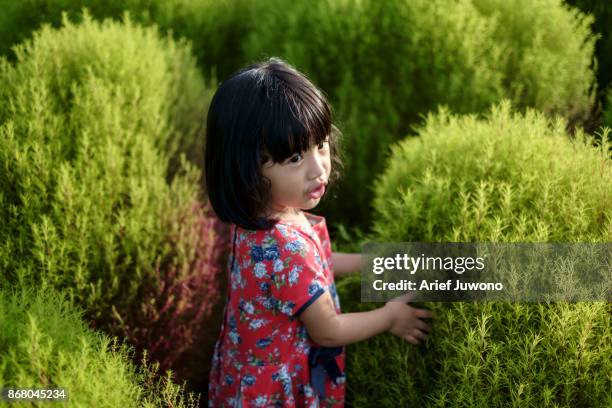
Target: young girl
{"points": [[270, 154]]}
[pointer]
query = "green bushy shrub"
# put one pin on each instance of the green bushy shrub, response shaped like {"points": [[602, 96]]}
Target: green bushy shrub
{"points": [[44, 343], [384, 64], [90, 118], [215, 28], [505, 178], [173, 70], [548, 52], [18, 20], [602, 11]]}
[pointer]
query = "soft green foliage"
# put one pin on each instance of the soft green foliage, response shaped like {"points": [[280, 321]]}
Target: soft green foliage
{"points": [[602, 11], [216, 28], [19, 19], [505, 178], [87, 113], [44, 343], [384, 64], [92, 117], [548, 52], [167, 77], [489, 354]]}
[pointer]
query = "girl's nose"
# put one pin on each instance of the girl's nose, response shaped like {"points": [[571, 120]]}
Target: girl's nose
{"points": [[317, 168]]}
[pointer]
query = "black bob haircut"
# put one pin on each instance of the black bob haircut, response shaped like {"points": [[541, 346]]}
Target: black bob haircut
{"points": [[265, 110]]}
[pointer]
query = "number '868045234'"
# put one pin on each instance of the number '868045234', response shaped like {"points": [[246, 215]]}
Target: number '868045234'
{"points": [[29, 394]]}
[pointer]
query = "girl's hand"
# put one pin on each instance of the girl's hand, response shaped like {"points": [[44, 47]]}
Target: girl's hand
{"points": [[406, 320]]}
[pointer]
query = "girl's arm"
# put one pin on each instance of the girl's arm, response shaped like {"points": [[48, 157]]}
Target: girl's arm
{"points": [[330, 329], [344, 264]]}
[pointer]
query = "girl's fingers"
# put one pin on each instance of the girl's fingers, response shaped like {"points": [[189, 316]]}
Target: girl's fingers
{"points": [[423, 313], [410, 339], [417, 334], [422, 325]]}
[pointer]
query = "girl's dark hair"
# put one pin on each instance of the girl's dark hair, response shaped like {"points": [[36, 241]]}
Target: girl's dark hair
{"points": [[265, 110]]}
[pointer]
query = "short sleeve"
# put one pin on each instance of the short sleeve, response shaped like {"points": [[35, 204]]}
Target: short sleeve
{"points": [[298, 278]]}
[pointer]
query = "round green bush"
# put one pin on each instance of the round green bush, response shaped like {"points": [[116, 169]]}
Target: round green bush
{"points": [[167, 77], [18, 22], [215, 28], [91, 116], [44, 343], [384, 64], [507, 177], [602, 12]]}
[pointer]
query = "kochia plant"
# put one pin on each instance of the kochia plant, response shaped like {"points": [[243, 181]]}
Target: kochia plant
{"points": [[91, 116], [503, 178]]}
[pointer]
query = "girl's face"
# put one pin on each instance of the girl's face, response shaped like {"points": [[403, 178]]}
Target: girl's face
{"points": [[300, 181]]}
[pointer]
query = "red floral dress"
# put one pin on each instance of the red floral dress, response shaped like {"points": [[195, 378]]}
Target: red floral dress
{"points": [[264, 356]]}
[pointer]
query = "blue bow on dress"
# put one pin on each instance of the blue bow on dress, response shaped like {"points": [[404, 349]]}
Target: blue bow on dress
{"points": [[327, 364]]}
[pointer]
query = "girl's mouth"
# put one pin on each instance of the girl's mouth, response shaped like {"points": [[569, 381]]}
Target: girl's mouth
{"points": [[318, 192]]}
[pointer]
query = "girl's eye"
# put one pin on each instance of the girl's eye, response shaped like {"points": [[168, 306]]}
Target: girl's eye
{"points": [[295, 159], [323, 144]]}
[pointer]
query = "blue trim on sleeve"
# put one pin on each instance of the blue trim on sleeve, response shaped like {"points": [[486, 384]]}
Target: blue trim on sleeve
{"points": [[310, 301]]}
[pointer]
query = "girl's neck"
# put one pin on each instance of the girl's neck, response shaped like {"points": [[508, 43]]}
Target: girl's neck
{"points": [[291, 216]]}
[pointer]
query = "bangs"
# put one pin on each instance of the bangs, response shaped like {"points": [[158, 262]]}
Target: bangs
{"points": [[298, 118]]}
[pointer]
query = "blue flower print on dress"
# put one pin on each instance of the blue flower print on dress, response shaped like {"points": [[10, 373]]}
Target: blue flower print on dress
{"points": [[248, 380], [265, 287], [236, 279], [306, 390], [285, 379], [235, 337], [261, 401], [294, 274], [247, 307], [257, 323], [287, 307], [271, 253], [294, 246], [314, 288], [233, 333], [283, 230], [265, 253], [260, 270], [257, 253], [254, 361], [278, 266], [232, 322], [265, 342], [269, 302], [229, 379]]}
